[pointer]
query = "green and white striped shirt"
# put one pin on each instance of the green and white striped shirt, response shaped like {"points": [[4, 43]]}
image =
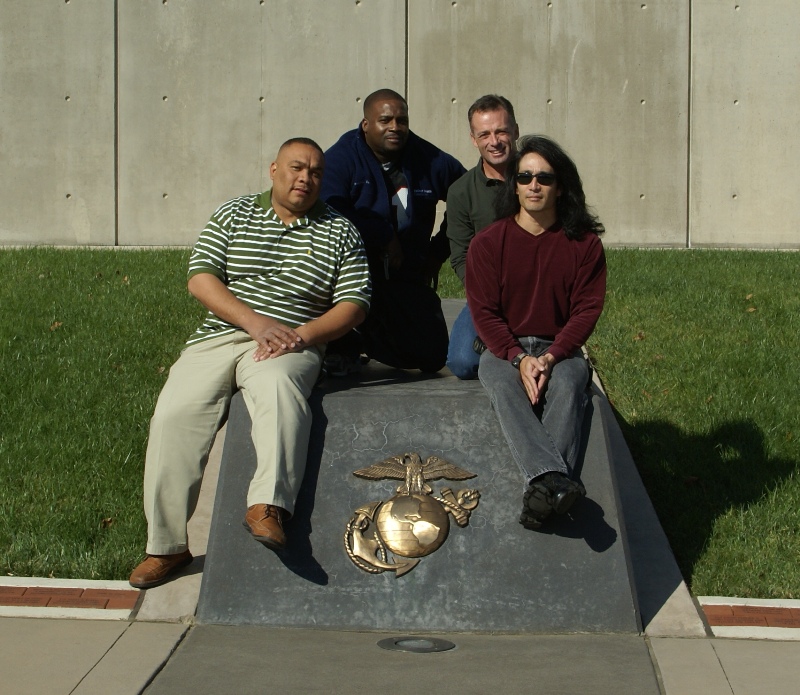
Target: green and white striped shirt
{"points": [[292, 273]]}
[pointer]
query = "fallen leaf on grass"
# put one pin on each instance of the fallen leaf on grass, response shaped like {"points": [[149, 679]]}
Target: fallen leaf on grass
{"points": [[658, 357], [749, 296], [646, 394], [125, 281], [55, 325], [709, 399], [750, 309], [639, 336], [105, 523], [161, 370]]}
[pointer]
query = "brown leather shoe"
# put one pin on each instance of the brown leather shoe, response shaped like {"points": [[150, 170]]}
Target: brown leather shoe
{"points": [[265, 523], [157, 569]]}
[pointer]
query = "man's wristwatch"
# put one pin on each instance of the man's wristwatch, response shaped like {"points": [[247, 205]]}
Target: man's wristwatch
{"points": [[517, 361]]}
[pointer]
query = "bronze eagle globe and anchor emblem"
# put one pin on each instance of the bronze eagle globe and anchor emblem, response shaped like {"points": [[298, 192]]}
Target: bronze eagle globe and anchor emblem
{"points": [[412, 524]]}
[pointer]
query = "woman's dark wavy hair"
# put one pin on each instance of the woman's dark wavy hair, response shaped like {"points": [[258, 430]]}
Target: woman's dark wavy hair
{"points": [[571, 207]]}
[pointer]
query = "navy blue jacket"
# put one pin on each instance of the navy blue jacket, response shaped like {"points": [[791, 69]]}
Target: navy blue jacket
{"points": [[354, 184]]}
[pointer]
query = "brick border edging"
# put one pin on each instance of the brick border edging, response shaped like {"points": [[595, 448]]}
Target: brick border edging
{"points": [[69, 597], [747, 615]]}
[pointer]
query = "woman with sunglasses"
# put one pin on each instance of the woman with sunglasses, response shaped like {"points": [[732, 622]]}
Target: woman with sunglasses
{"points": [[535, 283]]}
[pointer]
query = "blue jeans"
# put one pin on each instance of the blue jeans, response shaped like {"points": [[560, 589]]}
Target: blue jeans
{"points": [[462, 360], [545, 437]]}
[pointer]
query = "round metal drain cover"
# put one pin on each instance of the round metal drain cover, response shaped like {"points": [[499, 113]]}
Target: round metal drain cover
{"points": [[417, 645]]}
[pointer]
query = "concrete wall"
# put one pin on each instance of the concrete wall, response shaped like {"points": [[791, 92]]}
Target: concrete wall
{"points": [[209, 89], [745, 143], [57, 122], [128, 122]]}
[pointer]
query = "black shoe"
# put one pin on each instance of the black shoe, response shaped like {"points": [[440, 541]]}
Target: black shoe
{"points": [[564, 498], [536, 501], [551, 492], [529, 520]]}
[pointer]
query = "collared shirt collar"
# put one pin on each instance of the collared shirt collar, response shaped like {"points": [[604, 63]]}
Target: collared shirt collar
{"points": [[484, 179], [317, 210]]}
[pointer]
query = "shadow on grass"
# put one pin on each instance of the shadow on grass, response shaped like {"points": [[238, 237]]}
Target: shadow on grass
{"points": [[693, 479]]}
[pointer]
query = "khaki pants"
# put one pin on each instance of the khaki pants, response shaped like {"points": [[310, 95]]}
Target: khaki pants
{"points": [[192, 407]]}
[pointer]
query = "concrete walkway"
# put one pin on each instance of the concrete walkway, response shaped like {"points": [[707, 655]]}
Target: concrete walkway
{"points": [[157, 648]]}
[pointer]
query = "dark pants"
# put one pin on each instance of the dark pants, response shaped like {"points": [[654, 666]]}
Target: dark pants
{"points": [[405, 328]]}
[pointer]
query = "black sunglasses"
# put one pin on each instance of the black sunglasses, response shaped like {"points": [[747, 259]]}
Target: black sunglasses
{"points": [[545, 178]]}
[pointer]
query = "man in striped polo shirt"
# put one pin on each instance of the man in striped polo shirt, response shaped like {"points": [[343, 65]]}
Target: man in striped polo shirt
{"points": [[281, 274]]}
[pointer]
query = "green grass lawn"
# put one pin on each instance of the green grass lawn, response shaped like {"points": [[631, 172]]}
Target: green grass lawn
{"points": [[697, 353], [695, 349], [86, 339]]}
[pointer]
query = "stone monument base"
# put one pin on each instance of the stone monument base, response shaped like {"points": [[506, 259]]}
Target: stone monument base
{"points": [[492, 575]]}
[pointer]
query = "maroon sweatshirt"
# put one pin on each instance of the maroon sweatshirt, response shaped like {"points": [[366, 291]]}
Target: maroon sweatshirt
{"points": [[548, 285]]}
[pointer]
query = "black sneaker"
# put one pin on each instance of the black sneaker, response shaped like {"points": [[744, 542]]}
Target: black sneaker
{"points": [[551, 492], [529, 520], [536, 500]]}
